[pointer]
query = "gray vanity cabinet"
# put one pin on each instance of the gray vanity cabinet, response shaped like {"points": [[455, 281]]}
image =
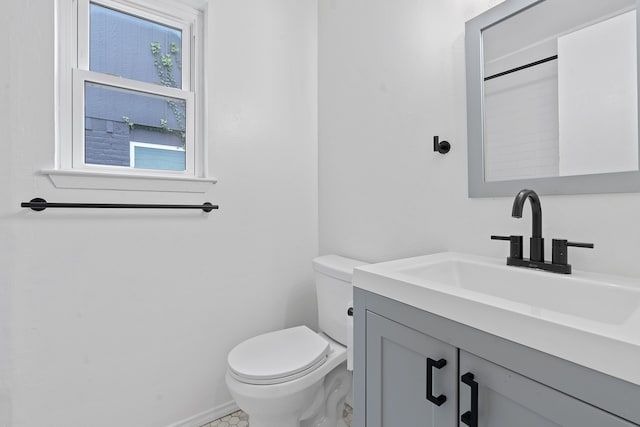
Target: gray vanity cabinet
{"points": [[396, 393], [517, 386], [507, 399]]}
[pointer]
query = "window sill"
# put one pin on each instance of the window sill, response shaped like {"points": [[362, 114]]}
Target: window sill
{"points": [[62, 178]]}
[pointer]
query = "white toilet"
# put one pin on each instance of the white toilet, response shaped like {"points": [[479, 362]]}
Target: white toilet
{"points": [[297, 377]]}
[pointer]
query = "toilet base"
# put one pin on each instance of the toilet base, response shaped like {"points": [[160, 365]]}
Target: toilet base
{"points": [[328, 412], [319, 405]]}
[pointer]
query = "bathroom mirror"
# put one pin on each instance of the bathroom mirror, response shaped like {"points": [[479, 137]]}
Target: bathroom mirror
{"points": [[552, 97]]}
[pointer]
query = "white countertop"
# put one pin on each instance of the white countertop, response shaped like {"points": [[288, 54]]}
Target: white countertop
{"points": [[589, 319]]}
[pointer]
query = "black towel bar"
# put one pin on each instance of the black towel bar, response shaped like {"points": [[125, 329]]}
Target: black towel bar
{"points": [[39, 204]]}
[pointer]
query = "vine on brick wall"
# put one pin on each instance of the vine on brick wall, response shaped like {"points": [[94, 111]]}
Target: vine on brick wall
{"points": [[164, 66]]}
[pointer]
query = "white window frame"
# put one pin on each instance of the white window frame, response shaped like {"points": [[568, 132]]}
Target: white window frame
{"points": [[81, 77], [134, 144], [72, 56]]}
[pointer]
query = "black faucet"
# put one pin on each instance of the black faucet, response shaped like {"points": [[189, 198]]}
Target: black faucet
{"points": [[558, 262], [536, 243]]}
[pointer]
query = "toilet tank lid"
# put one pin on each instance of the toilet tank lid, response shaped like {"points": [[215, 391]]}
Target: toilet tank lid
{"points": [[336, 266]]}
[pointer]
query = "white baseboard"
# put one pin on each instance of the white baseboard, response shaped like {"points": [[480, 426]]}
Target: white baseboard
{"points": [[207, 416]]}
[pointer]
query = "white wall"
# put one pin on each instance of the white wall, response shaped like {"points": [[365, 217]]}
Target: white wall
{"points": [[604, 54], [125, 318], [392, 75], [6, 246]]}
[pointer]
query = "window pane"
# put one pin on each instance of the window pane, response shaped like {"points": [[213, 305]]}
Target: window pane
{"points": [[134, 48], [115, 117], [158, 158]]}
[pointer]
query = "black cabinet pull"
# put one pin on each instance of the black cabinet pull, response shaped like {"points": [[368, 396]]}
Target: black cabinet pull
{"points": [[470, 418], [438, 401]]}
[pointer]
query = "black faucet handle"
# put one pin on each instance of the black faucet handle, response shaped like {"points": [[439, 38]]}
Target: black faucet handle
{"points": [[559, 250], [581, 245], [515, 245]]}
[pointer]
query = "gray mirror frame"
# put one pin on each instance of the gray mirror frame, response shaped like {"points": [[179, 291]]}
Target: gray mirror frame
{"points": [[621, 182]]}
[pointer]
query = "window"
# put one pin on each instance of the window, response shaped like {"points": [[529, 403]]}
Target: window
{"points": [[156, 156], [130, 90]]}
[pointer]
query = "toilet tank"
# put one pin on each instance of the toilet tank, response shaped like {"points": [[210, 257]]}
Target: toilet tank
{"points": [[333, 275]]}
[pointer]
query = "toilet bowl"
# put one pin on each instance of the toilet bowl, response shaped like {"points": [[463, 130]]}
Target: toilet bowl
{"points": [[296, 377], [299, 399]]}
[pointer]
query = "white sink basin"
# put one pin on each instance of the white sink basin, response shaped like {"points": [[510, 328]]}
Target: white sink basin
{"points": [[587, 318], [574, 295]]}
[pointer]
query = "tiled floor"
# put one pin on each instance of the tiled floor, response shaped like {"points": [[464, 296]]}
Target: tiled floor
{"points": [[240, 419], [237, 419], [347, 415]]}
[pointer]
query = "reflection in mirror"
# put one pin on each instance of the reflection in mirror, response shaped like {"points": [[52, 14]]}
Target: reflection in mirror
{"points": [[560, 92]]}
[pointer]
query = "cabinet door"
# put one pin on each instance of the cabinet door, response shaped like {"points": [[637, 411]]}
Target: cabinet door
{"points": [[507, 399], [397, 378]]}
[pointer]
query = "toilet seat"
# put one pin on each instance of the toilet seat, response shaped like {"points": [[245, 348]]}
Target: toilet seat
{"points": [[278, 357]]}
